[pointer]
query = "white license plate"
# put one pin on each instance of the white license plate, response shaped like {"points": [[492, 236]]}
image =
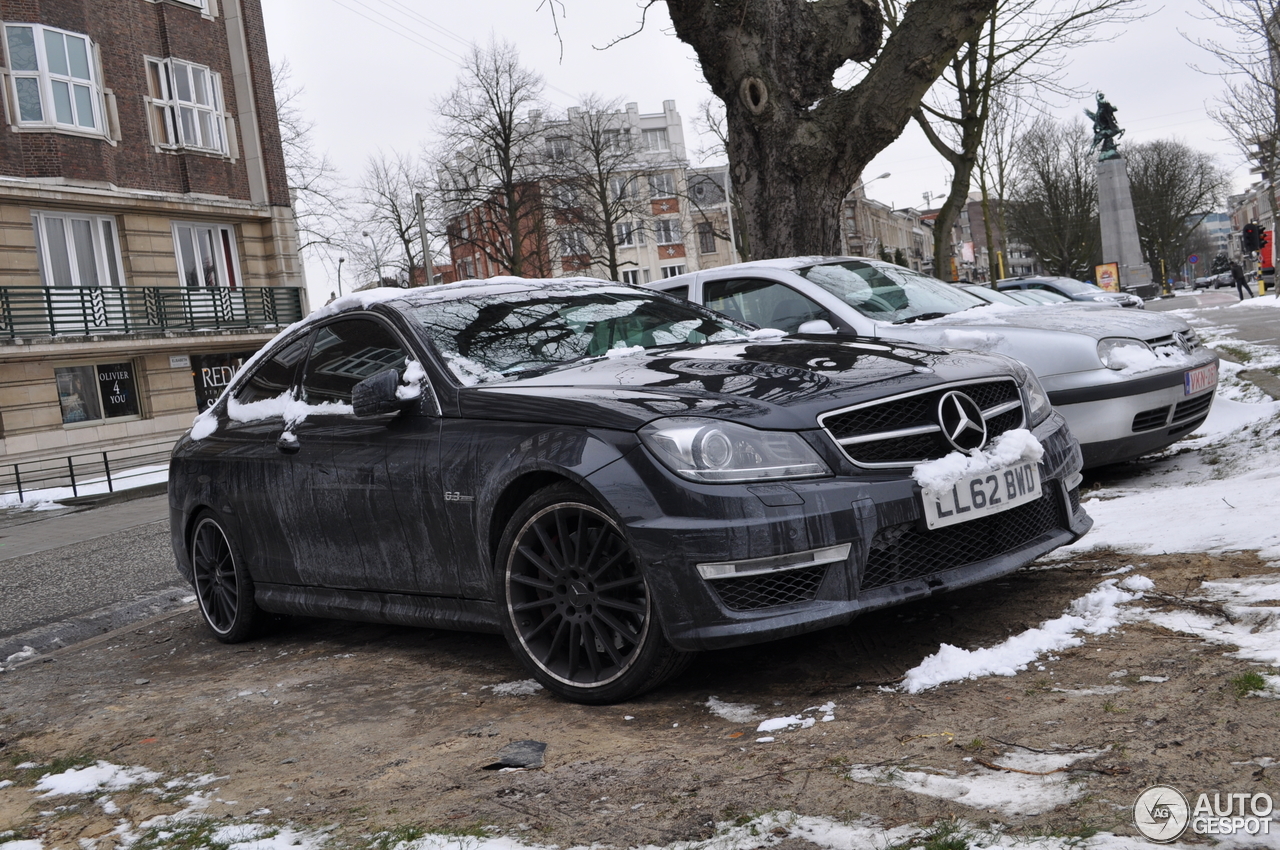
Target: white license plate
{"points": [[982, 495], [1200, 379]]}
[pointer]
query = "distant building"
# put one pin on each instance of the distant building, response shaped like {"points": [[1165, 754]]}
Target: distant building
{"points": [[873, 229], [677, 221], [147, 242]]}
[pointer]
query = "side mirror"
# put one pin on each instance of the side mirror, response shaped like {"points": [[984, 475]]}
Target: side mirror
{"points": [[376, 394], [816, 326]]}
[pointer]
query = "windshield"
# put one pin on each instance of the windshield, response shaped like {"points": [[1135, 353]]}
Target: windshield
{"points": [[1076, 287], [889, 293], [995, 296], [489, 337]]}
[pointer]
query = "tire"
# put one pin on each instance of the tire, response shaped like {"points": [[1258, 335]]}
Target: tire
{"points": [[222, 583], [577, 610]]}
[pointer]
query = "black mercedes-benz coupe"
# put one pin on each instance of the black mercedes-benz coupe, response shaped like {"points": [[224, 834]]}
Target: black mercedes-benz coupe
{"points": [[611, 477]]}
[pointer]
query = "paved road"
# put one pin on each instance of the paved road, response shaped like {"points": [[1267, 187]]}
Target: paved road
{"points": [[71, 573]]}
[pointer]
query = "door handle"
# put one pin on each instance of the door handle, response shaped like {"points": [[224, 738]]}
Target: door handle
{"points": [[288, 443]]}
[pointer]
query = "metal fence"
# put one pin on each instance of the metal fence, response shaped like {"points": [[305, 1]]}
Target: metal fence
{"points": [[27, 311], [88, 472]]}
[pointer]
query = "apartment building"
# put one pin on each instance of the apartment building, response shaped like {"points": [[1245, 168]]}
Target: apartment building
{"points": [[147, 242]]}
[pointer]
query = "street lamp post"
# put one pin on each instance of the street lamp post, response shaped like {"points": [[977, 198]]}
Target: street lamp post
{"points": [[377, 255], [341, 260]]}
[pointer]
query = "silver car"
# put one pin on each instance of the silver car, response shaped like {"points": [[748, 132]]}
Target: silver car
{"points": [[1128, 382]]}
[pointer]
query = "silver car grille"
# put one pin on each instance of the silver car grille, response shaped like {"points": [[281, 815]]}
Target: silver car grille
{"points": [[905, 429], [1184, 341]]}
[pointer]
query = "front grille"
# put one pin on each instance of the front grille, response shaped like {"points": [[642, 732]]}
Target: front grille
{"points": [[903, 430], [750, 593], [1149, 420], [1073, 495], [905, 551], [1192, 408]]}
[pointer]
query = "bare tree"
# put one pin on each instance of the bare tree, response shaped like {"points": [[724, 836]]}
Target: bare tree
{"points": [[1020, 49], [491, 169], [599, 194], [797, 143], [387, 213], [1249, 107], [1174, 188], [710, 121], [1053, 207], [995, 170], [319, 201]]}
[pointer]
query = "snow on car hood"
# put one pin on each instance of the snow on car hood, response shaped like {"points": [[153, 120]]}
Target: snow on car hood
{"points": [[1051, 340]]}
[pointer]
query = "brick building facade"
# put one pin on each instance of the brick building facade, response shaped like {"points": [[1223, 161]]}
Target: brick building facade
{"points": [[147, 242]]}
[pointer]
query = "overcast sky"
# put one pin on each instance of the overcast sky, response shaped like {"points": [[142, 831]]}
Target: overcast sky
{"points": [[372, 70]]}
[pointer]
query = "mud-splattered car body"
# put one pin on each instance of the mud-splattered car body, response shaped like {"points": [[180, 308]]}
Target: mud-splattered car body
{"points": [[611, 477]]}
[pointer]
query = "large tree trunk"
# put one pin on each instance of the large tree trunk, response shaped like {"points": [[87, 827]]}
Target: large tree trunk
{"points": [[797, 144]]}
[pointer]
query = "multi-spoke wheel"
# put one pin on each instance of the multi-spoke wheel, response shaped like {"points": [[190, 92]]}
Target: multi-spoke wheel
{"points": [[578, 609], [223, 586]]}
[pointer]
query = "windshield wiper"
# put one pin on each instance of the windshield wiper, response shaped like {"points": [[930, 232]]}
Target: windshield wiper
{"points": [[921, 317]]}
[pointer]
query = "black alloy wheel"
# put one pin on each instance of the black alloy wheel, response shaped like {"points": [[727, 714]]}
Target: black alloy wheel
{"points": [[223, 586], [578, 609]]}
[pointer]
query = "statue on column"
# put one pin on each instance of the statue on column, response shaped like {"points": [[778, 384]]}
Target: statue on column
{"points": [[1105, 129]]}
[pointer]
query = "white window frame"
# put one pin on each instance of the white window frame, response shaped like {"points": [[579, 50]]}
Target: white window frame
{"points": [[77, 249], [194, 119], [559, 148], [629, 234], [656, 139], [666, 231], [631, 276], [573, 243], [662, 185], [706, 234], [83, 98], [622, 187], [209, 246], [672, 271]]}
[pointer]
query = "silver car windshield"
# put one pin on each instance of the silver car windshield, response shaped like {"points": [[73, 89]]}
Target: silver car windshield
{"points": [[889, 293], [493, 337]]}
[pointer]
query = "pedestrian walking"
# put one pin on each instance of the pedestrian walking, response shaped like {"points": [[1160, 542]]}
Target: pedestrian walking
{"points": [[1242, 287]]}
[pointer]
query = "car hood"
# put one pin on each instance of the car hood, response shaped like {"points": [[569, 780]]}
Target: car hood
{"points": [[778, 384], [1052, 340]]}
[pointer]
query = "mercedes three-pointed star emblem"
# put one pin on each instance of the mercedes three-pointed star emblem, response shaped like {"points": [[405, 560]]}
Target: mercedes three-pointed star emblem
{"points": [[962, 422]]}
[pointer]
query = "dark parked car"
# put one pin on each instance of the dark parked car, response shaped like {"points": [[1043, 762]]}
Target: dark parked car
{"points": [[611, 477], [1076, 290]]}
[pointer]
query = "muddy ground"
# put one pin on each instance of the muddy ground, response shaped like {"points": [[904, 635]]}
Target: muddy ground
{"points": [[369, 728]]}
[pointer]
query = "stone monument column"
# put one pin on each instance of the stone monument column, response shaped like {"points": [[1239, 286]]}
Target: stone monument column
{"points": [[1120, 243]]}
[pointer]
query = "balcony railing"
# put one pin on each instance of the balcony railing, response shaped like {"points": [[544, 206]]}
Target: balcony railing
{"points": [[30, 311]]}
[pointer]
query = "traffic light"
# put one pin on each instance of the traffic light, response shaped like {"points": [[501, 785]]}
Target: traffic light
{"points": [[1251, 236], [1262, 239]]}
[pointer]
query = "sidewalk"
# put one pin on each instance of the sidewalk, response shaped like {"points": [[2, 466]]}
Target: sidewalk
{"points": [[26, 532]]}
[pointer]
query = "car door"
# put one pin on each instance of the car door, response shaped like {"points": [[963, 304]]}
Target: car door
{"points": [[375, 483], [255, 468]]}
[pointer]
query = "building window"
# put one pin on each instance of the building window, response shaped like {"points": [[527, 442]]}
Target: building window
{"points": [[202, 5], [617, 141], [630, 234], [54, 78], [656, 140], [558, 148], [95, 393], [672, 271], [621, 188], [706, 238], [631, 277], [186, 106], [666, 231], [662, 185], [206, 255], [77, 249], [573, 243]]}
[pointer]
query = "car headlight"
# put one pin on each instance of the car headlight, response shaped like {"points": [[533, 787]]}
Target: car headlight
{"points": [[1038, 405], [712, 451], [1112, 350]]}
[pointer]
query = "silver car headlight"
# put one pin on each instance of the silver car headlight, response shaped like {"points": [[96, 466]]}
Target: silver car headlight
{"points": [[712, 451], [1111, 350]]}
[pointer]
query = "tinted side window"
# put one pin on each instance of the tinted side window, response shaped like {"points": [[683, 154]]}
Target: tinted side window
{"points": [[678, 292], [344, 354], [763, 302], [275, 375]]}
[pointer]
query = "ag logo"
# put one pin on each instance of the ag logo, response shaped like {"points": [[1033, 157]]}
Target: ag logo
{"points": [[1161, 813]]}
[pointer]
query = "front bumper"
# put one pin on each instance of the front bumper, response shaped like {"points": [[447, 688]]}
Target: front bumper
{"points": [[877, 520], [1120, 421]]}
